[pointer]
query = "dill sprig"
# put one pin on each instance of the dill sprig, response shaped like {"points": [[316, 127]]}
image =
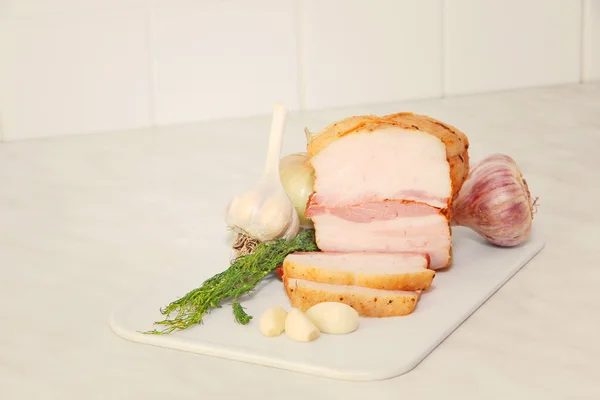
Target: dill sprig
{"points": [[242, 276], [240, 314]]}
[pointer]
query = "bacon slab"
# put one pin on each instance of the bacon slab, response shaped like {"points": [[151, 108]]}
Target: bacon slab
{"points": [[383, 185]]}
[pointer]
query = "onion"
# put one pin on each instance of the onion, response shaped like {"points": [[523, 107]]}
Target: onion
{"points": [[495, 202], [297, 178]]}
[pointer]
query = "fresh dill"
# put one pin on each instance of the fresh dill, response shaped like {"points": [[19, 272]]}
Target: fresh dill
{"points": [[240, 314], [242, 276]]}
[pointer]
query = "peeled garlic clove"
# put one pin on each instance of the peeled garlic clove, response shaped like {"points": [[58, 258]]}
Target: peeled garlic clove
{"points": [[299, 328], [272, 321], [333, 317]]}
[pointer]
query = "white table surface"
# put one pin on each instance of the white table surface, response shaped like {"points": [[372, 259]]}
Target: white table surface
{"points": [[87, 220]]}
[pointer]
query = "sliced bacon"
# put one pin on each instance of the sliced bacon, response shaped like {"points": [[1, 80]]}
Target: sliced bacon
{"points": [[424, 235]]}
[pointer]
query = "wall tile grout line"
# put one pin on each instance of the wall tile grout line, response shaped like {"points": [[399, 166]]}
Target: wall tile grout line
{"points": [[585, 39], [154, 98], [443, 47], [301, 73]]}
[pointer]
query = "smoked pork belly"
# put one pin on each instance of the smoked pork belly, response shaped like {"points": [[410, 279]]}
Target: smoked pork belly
{"points": [[385, 271], [367, 302], [386, 184]]}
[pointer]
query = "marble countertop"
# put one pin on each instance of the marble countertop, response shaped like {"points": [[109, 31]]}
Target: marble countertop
{"points": [[87, 220]]}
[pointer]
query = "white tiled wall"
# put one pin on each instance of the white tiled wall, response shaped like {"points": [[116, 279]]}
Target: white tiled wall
{"points": [[83, 66], [381, 52], [497, 45], [214, 59], [63, 75]]}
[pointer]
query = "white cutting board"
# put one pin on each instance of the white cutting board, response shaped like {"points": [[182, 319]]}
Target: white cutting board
{"points": [[379, 349]]}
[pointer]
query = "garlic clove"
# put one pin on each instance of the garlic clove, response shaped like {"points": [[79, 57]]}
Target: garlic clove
{"points": [[333, 317], [299, 328], [272, 321]]}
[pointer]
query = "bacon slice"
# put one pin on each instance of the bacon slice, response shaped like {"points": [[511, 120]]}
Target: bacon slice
{"points": [[388, 226], [367, 302], [407, 272], [422, 235]]}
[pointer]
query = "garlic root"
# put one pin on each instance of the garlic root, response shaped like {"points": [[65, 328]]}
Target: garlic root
{"points": [[243, 245]]}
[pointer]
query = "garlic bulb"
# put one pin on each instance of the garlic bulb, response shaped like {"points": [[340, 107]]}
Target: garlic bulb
{"points": [[297, 177], [265, 212], [495, 202]]}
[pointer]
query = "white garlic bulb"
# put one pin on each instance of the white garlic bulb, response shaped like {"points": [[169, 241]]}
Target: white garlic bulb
{"points": [[265, 212]]}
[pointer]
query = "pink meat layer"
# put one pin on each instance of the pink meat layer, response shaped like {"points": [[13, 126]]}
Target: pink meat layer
{"points": [[380, 210], [389, 227]]}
